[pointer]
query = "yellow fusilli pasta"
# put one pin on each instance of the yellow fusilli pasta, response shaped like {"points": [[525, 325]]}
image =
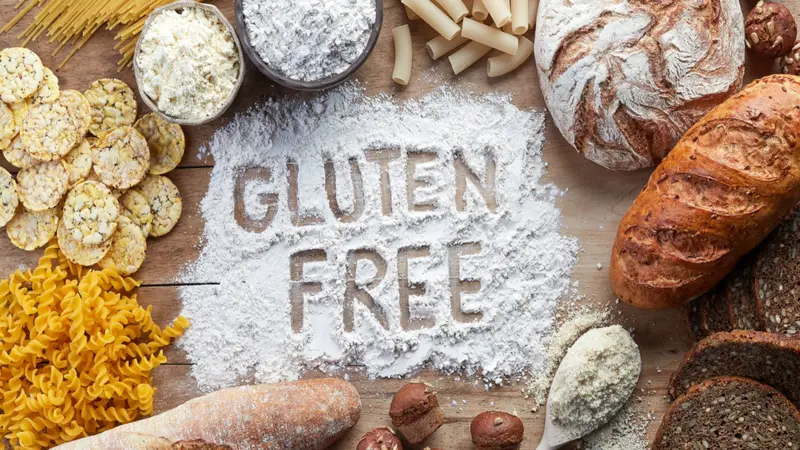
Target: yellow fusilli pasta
{"points": [[76, 352]]}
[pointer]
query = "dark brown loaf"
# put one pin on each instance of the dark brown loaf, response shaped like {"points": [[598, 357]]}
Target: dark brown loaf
{"points": [[305, 414], [495, 430], [769, 358], [727, 183], [729, 413], [415, 412]]}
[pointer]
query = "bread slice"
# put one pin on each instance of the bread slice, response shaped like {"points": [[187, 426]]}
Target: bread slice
{"points": [[696, 318], [777, 277], [729, 413], [740, 298], [769, 358], [714, 311]]}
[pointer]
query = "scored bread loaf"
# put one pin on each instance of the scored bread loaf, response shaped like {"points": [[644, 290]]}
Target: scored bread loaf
{"points": [[729, 413], [305, 414], [623, 79], [725, 186]]}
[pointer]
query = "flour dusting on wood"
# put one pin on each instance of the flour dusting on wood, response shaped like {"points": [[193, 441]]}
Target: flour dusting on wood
{"points": [[336, 232]]}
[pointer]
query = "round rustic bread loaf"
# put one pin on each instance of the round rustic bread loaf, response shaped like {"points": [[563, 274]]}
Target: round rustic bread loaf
{"points": [[625, 79]]}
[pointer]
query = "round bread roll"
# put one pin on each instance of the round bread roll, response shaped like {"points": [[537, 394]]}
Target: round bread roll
{"points": [[625, 79]]}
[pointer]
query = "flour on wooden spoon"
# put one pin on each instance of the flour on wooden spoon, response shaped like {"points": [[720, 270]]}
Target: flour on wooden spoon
{"points": [[408, 275]]}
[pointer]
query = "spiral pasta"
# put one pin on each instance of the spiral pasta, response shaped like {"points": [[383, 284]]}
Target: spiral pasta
{"points": [[76, 352]]}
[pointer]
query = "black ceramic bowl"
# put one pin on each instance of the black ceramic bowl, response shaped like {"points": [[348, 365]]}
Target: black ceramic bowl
{"points": [[318, 85]]}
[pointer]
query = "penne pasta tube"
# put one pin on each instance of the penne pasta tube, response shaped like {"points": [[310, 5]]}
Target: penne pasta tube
{"points": [[486, 35], [533, 9], [479, 11], [456, 9], [434, 17], [411, 14], [467, 56], [500, 12], [402, 55], [439, 46], [519, 16], [500, 65]]}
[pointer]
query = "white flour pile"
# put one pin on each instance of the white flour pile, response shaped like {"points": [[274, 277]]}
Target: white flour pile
{"points": [[243, 326], [309, 40]]}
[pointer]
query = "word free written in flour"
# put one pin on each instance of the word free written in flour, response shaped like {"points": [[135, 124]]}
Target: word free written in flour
{"points": [[347, 230]]}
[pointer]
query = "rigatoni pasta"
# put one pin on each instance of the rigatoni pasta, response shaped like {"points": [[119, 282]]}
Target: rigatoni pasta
{"points": [[402, 55], [492, 37], [479, 11], [434, 17], [467, 56], [499, 11], [410, 13], [456, 9], [519, 16], [503, 64], [533, 9], [439, 46]]}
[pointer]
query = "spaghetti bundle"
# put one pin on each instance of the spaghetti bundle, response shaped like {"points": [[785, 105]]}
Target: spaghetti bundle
{"points": [[74, 22]]}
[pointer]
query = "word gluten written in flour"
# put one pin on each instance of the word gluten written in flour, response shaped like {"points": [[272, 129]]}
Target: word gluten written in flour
{"points": [[345, 230], [414, 183]]}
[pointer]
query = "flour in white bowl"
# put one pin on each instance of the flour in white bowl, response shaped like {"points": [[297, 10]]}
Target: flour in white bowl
{"points": [[396, 279]]}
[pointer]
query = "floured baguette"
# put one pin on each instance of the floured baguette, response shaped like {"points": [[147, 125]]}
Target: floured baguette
{"points": [[724, 187], [301, 415]]}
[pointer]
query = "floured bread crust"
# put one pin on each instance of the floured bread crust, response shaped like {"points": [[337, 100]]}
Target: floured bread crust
{"points": [[624, 80]]}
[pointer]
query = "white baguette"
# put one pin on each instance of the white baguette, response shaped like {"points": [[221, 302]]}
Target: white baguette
{"points": [[305, 414]]}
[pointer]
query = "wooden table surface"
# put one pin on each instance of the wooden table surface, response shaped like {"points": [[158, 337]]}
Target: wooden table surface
{"points": [[592, 207]]}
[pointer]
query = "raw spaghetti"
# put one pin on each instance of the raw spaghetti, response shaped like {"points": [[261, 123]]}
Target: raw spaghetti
{"points": [[75, 22], [76, 352]]}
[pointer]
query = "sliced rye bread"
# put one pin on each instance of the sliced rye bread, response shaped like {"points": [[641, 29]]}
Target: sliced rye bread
{"points": [[714, 312], [769, 358], [729, 413], [696, 319], [776, 280], [740, 297]]}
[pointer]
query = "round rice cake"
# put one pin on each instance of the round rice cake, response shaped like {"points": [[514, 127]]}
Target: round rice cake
{"points": [[112, 103], [21, 73], [166, 141], [17, 156], [48, 91], [79, 108], [128, 247], [136, 208], [49, 131], [42, 186], [78, 162], [85, 255], [9, 200], [30, 230], [90, 213], [20, 111], [165, 203], [121, 158], [8, 126]]}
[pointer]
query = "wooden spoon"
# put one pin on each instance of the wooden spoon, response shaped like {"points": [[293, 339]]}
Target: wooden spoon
{"points": [[555, 436]]}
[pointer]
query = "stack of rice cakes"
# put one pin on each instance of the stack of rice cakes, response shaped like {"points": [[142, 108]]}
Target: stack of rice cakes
{"points": [[90, 174]]}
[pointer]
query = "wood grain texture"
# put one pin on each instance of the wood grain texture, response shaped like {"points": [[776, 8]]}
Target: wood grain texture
{"points": [[595, 200]]}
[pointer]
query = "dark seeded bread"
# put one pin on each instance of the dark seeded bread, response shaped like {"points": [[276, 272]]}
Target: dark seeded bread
{"points": [[771, 359], [740, 298], [729, 413], [777, 277], [696, 319], [714, 311]]}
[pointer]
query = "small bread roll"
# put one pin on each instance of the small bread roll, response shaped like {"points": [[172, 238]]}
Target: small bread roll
{"points": [[495, 430], [415, 412]]}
